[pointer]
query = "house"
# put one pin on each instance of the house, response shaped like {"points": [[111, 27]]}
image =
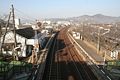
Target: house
{"points": [[48, 29], [17, 23], [76, 35], [46, 22], [115, 54], [66, 23], [26, 40]]}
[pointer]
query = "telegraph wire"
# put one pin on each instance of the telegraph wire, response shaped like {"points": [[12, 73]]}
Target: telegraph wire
{"points": [[25, 15]]}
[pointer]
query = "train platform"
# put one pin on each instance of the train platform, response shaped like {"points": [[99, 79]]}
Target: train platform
{"points": [[89, 50]]}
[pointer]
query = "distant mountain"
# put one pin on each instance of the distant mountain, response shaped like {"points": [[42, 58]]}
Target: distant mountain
{"points": [[98, 18]]}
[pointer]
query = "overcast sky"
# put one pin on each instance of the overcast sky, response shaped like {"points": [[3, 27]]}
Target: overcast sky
{"points": [[60, 8]]}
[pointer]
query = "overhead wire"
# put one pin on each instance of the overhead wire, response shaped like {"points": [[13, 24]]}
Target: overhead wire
{"points": [[24, 15]]}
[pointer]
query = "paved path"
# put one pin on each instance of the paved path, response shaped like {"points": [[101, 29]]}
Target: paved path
{"points": [[91, 51]]}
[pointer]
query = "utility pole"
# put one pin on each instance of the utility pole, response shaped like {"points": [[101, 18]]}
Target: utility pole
{"points": [[98, 43], [13, 16], [0, 31], [36, 43], [7, 25], [15, 41], [36, 47], [83, 31], [0, 39], [104, 58]]}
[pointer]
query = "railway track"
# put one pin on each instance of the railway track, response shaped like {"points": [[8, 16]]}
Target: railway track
{"points": [[64, 63]]}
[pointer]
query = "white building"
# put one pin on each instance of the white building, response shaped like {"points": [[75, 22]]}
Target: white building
{"points": [[25, 40], [46, 22], [76, 35], [48, 29], [114, 54], [17, 23], [63, 23]]}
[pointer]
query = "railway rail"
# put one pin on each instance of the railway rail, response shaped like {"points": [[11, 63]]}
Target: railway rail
{"points": [[64, 63]]}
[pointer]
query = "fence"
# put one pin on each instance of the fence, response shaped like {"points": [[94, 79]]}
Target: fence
{"points": [[8, 69]]}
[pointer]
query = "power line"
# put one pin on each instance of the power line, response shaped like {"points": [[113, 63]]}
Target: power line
{"points": [[26, 15]]}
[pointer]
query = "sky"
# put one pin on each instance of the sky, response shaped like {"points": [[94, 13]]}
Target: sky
{"points": [[60, 8]]}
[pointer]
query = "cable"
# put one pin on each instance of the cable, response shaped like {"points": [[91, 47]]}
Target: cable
{"points": [[25, 14], [24, 17]]}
